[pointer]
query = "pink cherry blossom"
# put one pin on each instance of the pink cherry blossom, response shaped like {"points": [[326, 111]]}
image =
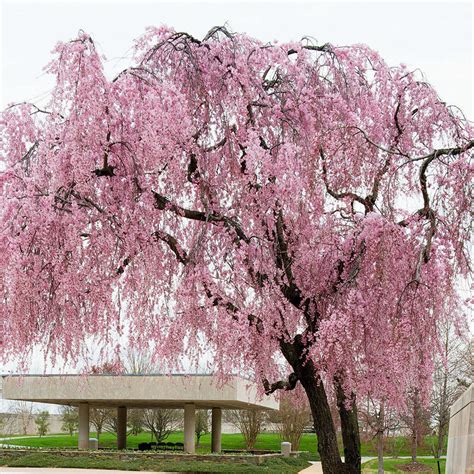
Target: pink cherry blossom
{"points": [[287, 208]]}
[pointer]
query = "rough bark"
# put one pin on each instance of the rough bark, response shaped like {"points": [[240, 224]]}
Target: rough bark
{"points": [[414, 440], [415, 427], [380, 469], [349, 427], [323, 422], [380, 432]]}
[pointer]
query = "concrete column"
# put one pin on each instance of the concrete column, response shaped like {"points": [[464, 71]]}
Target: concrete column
{"points": [[121, 427], [189, 427], [83, 426], [216, 431]]}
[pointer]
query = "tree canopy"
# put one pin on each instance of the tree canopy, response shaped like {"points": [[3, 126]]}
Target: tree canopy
{"points": [[251, 199]]}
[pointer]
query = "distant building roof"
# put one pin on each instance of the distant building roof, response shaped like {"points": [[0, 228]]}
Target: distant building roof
{"points": [[160, 391]]}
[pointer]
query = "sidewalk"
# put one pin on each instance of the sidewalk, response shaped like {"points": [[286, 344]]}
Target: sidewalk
{"points": [[315, 468]]}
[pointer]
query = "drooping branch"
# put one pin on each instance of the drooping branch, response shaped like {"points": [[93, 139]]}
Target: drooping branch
{"points": [[342, 195], [430, 158], [426, 211], [232, 309], [369, 201], [84, 201], [427, 160], [180, 253], [159, 235]]}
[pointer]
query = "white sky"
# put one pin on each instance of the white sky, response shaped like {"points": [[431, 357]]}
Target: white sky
{"points": [[435, 37]]}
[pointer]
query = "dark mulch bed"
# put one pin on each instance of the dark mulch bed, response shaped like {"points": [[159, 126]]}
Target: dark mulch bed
{"points": [[414, 467]]}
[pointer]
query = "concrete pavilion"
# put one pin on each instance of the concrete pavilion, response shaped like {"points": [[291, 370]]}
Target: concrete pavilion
{"points": [[189, 392]]}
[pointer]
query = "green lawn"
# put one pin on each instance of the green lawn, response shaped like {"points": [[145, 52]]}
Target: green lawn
{"points": [[390, 465], [267, 441], [399, 446]]}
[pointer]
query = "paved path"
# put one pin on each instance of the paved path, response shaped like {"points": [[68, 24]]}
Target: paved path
{"points": [[315, 468]]}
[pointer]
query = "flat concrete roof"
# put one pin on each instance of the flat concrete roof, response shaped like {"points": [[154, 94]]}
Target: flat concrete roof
{"points": [[137, 391]]}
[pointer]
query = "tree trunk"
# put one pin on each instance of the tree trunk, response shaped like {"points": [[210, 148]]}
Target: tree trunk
{"points": [[413, 445], [380, 452], [440, 443], [444, 413], [380, 433], [324, 427], [349, 428], [323, 422], [415, 427]]}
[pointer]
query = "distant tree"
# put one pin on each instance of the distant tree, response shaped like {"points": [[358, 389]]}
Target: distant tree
{"points": [[99, 418], [161, 422], [378, 420], [139, 362], [452, 375], [3, 422], [248, 422], [416, 420], [293, 417], [70, 419], [105, 419], [135, 421], [111, 421], [202, 424], [108, 368], [24, 414], [42, 422], [7, 423]]}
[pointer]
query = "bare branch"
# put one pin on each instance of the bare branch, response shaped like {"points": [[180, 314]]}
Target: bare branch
{"points": [[325, 48], [342, 195], [163, 203], [180, 253], [286, 385]]}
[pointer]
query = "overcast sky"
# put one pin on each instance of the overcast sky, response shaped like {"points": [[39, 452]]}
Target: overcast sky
{"points": [[435, 37]]}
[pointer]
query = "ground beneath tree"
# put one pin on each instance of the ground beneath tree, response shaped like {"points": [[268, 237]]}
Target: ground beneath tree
{"points": [[414, 467]]}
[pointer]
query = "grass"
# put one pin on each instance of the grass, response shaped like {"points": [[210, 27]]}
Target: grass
{"points": [[43, 459], [390, 465], [267, 441], [401, 446], [398, 446]]}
